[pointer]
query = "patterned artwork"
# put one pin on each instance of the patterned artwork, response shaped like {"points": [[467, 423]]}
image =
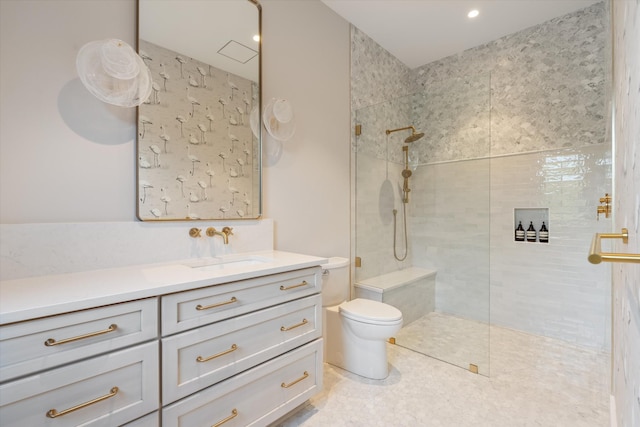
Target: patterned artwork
{"points": [[197, 155]]}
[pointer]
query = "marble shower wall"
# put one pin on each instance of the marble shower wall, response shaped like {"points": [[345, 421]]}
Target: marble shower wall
{"points": [[541, 90], [626, 277], [547, 82]]}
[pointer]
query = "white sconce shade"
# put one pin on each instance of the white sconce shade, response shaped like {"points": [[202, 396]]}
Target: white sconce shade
{"points": [[113, 72], [278, 119]]}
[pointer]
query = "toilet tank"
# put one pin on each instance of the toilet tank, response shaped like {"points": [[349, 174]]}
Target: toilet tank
{"points": [[335, 281]]}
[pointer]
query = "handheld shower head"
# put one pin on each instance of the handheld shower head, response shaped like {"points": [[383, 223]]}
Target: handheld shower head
{"points": [[411, 138]]}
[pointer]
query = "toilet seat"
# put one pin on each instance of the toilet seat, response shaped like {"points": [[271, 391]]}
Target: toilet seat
{"points": [[371, 312]]}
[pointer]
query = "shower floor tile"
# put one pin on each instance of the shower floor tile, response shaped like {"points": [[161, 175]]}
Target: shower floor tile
{"points": [[535, 381]]}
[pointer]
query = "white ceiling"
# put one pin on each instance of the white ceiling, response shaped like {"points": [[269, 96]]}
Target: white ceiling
{"points": [[421, 31]]}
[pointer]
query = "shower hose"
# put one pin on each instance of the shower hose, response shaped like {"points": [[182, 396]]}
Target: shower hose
{"points": [[404, 215]]}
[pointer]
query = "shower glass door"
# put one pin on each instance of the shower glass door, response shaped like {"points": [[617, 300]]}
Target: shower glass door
{"points": [[429, 257]]}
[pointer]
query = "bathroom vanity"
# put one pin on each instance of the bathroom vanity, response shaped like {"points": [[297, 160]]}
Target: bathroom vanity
{"points": [[231, 341]]}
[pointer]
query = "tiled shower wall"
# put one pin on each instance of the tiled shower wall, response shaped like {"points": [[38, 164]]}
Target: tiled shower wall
{"points": [[626, 277], [540, 95]]}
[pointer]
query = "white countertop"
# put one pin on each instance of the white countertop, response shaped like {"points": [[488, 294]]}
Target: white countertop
{"points": [[33, 297]]}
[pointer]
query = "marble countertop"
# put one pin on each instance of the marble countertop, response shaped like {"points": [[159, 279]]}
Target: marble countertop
{"points": [[33, 297]]}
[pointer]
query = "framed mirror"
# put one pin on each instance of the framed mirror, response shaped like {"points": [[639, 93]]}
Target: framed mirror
{"points": [[199, 133]]}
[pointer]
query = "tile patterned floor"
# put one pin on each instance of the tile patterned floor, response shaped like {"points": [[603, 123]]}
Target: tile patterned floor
{"points": [[535, 381], [452, 339]]}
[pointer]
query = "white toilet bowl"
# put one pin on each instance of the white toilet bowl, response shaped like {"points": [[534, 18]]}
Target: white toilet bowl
{"points": [[356, 334]]}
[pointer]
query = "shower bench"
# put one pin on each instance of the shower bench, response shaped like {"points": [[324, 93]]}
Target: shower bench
{"points": [[411, 290]]}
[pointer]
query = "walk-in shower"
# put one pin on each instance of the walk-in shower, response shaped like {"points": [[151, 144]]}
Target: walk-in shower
{"points": [[420, 222]]}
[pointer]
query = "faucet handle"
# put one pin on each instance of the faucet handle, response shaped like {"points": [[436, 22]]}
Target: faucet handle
{"points": [[195, 232], [227, 230]]}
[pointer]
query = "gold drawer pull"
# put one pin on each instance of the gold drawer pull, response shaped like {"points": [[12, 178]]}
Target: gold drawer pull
{"points": [[52, 413], [222, 353], [51, 342], [234, 413], [305, 375], [284, 328], [220, 304], [286, 288]]}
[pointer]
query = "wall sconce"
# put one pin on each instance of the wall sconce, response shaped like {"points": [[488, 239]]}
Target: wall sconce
{"points": [[278, 119], [114, 73]]}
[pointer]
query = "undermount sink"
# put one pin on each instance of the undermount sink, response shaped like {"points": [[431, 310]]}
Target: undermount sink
{"points": [[223, 263]]}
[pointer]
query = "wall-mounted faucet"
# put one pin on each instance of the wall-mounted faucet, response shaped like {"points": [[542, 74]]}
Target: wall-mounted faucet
{"points": [[605, 206], [225, 233]]}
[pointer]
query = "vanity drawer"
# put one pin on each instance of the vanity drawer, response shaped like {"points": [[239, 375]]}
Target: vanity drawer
{"points": [[107, 390], [40, 344], [199, 358], [151, 420], [190, 309], [255, 397]]}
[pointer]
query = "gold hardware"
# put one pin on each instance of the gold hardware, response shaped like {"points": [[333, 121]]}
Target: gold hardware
{"points": [[51, 342], [596, 256], [195, 232], [225, 233], [222, 353], [234, 413], [220, 304], [392, 340], [358, 130], [304, 322], [358, 261], [473, 368], [52, 413], [304, 375], [605, 207], [389, 131], [286, 288]]}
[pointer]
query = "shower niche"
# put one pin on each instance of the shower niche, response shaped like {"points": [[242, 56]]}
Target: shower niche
{"points": [[531, 225]]}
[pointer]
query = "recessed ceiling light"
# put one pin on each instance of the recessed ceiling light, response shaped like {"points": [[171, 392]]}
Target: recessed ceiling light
{"points": [[473, 13]]}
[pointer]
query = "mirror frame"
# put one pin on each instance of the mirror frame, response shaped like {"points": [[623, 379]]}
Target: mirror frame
{"points": [[252, 202]]}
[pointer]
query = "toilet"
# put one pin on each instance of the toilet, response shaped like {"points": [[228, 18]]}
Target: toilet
{"points": [[356, 331]]}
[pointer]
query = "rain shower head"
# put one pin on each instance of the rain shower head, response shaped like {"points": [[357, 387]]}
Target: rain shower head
{"points": [[414, 137], [411, 138]]}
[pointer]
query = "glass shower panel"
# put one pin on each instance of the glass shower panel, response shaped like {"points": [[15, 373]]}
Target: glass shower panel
{"points": [[442, 286]]}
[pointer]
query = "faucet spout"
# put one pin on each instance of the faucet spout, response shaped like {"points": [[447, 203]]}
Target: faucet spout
{"points": [[226, 231]]}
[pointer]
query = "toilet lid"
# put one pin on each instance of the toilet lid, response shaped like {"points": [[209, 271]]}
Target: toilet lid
{"points": [[366, 310]]}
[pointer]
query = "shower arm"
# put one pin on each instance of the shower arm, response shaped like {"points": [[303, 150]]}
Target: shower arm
{"points": [[389, 131]]}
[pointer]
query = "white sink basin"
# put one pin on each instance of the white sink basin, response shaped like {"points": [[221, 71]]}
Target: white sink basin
{"points": [[225, 263]]}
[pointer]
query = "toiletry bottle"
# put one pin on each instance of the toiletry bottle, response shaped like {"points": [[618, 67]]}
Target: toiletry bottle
{"points": [[531, 233], [543, 234], [520, 233]]}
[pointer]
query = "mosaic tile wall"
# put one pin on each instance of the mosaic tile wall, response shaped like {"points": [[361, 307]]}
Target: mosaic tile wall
{"points": [[547, 88], [466, 115], [626, 277]]}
